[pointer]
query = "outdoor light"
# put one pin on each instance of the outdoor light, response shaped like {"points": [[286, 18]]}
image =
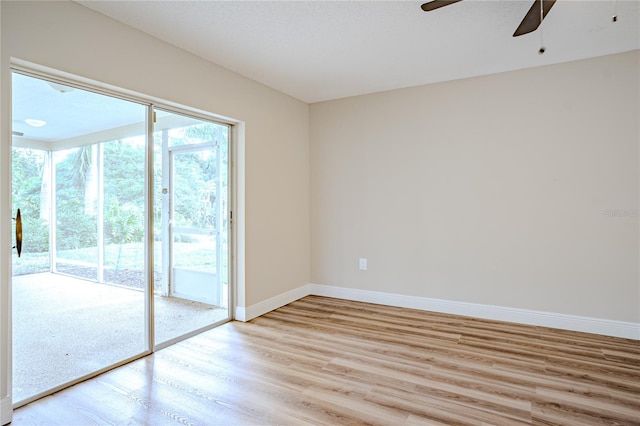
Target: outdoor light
{"points": [[34, 122], [60, 87]]}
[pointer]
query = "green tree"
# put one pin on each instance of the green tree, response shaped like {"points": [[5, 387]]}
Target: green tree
{"points": [[122, 226], [26, 183]]}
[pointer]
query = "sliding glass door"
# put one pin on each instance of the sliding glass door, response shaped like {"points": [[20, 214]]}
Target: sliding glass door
{"points": [[193, 210], [125, 231], [79, 285]]}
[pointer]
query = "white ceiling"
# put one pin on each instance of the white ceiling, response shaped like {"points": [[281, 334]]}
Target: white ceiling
{"points": [[322, 50]]}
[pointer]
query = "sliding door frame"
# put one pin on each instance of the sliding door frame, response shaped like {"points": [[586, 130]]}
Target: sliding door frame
{"points": [[151, 104]]}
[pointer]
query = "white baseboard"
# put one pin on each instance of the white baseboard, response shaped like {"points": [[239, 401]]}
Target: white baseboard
{"points": [[250, 312], [6, 411], [627, 330]]}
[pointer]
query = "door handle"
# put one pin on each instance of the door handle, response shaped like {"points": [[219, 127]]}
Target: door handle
{"points": [[18, 245]]}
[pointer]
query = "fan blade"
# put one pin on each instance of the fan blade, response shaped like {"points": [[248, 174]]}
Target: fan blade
{"points": [[532, 20], [437, 4]]}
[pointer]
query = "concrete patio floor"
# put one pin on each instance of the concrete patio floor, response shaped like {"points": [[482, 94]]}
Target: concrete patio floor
{"points": [[65, 328]]}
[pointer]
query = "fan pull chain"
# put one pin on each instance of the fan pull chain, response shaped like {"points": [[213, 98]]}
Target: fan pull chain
{"points": [[542, 48], [614, 18]]}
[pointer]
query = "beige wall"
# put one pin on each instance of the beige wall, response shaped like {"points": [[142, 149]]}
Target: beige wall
{"points": [[71, 38], [493, 190]]}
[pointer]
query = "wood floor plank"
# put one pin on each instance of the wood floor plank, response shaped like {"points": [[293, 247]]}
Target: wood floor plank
{"points": [[326, 361]]}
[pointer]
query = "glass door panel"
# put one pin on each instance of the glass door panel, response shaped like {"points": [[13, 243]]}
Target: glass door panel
{"points": [[193, 187], [31, 185], [78, 303]]}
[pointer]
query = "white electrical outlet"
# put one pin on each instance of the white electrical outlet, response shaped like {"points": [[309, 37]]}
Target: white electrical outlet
{"points": [[362, 263]]}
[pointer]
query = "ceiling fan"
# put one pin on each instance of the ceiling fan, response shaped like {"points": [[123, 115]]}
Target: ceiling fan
{"points": [[530, 22]]}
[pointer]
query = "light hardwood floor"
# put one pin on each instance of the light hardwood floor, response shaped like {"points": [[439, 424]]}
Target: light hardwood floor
{"points": [[328, 361]]}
